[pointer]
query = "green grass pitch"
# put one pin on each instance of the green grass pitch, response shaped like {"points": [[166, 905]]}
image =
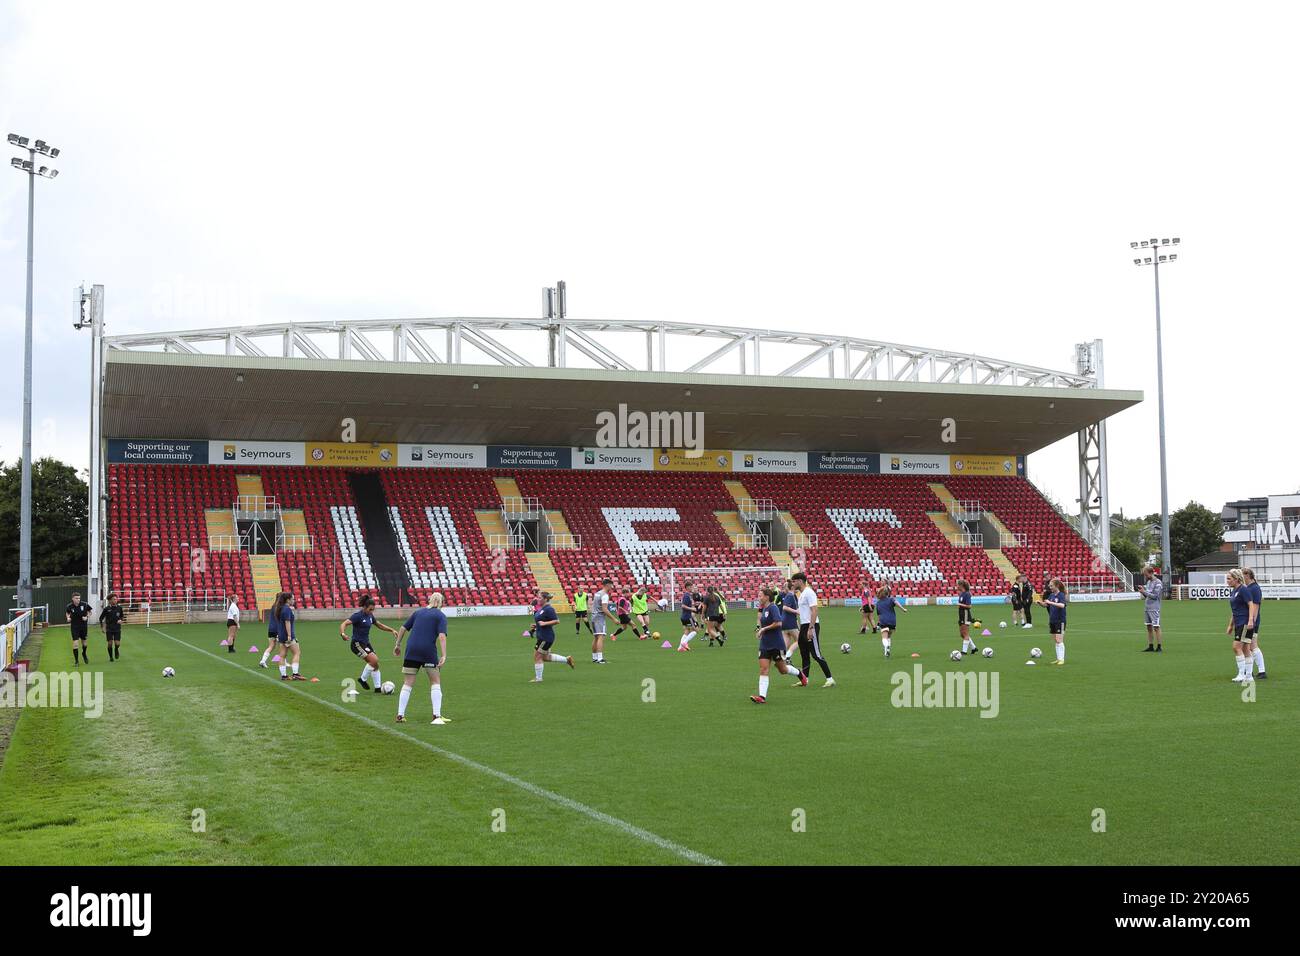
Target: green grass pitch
{"points": [[581, 769]]}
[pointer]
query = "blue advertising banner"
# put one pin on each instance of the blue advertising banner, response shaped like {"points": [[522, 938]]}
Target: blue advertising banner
{"points": [[522, 456], [856, 462], [137, 451]]}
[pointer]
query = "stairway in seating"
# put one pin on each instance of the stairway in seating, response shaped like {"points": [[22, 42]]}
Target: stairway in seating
{"points": [[737, 491], [507, 488], [490, 523], [266, 580], [560, 526], [377, 530], [731, 524], [221, 524], [296, 535], [952, 531], [249, 486], [1003, 563], [546, 578]]}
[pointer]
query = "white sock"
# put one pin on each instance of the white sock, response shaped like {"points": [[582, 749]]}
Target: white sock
{"points": [[403, 700], [688, 638], [884, 642], [365, 672], [1258, 658], [537, 670], [266, 657], [557, 659], [1060, 651], [435, 695], [763, 682], [378, 680], [284, 671], [295, 667], [1242, 666]]}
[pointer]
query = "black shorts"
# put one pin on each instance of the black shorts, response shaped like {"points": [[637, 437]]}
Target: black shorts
{"points": [[868, 609], [286, 641], [410, 666], [716, 618], [888, 627], [231, 622], [1241, 632], [624, 619], [580, 614], [771, 655], [79, 632], [1056, 629], [687, 620], [544, 643], [113, 635], [1016, 604], [361, 648]]}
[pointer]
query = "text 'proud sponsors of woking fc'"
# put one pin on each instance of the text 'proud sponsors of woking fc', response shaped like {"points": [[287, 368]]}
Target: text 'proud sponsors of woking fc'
{"points": [[442, 456], [157, 452], [845, 462], [613, 459], [681, 459], [892, 463], [341, 454], [984, 465], [256, 453], [785, 462]]}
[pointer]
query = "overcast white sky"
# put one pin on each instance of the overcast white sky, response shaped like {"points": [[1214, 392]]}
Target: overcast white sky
{"points": [[943, 174]]}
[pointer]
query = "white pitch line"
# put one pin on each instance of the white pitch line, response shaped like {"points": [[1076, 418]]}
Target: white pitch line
{"points": [[686, 853]]}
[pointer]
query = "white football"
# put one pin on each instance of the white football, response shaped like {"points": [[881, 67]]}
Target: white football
{"points": [[955, 656], [845, 647], [388, 687], [1036, 652], [987, 652], [169, 672], [1002, 623]]}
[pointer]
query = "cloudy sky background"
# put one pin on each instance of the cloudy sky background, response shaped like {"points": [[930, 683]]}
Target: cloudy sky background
{"points": [[965, 176]]}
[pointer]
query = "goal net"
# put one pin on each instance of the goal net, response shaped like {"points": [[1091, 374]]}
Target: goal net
{"points": [[739, 586]]}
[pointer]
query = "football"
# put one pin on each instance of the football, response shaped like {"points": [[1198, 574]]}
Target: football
{"points": [[845, 647], [987, 652], [388, 687], [955, 655], [656, 635], [1036, 652], [1002, 623], [169, 672]]}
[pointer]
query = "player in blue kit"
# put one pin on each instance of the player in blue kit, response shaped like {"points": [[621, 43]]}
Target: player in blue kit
{"points": [[965, 615], [1241, 625], [1055, 601], [887, 608], [688, 617], [1256, 598], [362, 620], [771, 644], [426, 651], [286, 640], [545, 620], [789, 602]]}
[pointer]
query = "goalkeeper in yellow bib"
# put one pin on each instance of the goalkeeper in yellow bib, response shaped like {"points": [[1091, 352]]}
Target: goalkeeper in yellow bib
{"points": [[580, 599]]}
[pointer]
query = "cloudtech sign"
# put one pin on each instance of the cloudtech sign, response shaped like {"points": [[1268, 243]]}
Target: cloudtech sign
{"points": [[785, 462]]}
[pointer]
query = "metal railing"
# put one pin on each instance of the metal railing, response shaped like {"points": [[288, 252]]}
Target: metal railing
{"points": [[756, 509], [752, 541], [1093, 584], [968, 539], [256, 508], [295, 542], [967, 510], [800, 539], [227, 542], [1104, 560], [1013, 539], [516, 507], [506, 542], [562, 539]]}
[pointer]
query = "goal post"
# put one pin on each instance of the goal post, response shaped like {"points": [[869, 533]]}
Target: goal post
{"points": [[738, 585]]}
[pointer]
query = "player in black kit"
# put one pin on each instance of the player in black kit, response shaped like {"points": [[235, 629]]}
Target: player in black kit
{"points": [[110, 621], [77, 613]]}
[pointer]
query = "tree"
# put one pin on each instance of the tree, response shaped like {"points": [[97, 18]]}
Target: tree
{"points": [[1194, 530], [1128, 553], [58, 519]]}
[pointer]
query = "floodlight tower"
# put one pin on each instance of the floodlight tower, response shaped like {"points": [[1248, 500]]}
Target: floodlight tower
{"points": [[1155, 253], [32, 169]]}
